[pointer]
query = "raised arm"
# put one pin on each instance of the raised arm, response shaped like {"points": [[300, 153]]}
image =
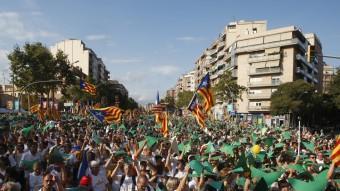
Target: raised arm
{"points": [[136, 155], [182, 184]]}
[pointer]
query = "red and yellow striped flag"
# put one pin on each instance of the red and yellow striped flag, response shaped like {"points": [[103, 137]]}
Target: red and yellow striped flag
{"points": [[35, 108], [204, 90], [335, 156], [163, 118], [196, 109], [87, 87]]}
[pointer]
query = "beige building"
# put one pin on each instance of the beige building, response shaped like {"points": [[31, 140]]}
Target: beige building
{"points": [[328, 74], [171, 93], [7, 95], [261, 60], [186, 82], [83, 58]]}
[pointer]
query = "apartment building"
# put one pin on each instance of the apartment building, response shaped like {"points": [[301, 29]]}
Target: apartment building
{"points": [[186, 82], [171, 93], [328, 74], [7, 95], [83, 58], [261, 60]]}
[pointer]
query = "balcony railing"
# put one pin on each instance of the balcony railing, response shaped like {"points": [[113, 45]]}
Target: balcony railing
{"points": [[260, 71], [222, 43], [304, 61], [281, 43], [259, 108], [259, 96], [264, 58], [264, 84], [221, 53]]}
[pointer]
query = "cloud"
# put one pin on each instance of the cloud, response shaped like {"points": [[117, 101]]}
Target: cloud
{"points": [[165, 69], [189, 39], [3, 57], [96, 37], [13, 27], [125, 60]]}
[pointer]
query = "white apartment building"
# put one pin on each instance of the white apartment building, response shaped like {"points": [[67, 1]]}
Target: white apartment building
{"points": [[82, 57], [260, 60], [186, 82]]}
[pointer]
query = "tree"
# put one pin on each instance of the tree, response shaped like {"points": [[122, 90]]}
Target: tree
{"points": [[64, 71], [34, 62], [184, 98], [296, 98], [227, 88], [334, 89], [170, 103]]}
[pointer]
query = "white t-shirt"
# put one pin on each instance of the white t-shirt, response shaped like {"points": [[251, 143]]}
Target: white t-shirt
{"points": [[35, 181], [127, 184], [27, 156], [100, 181]]}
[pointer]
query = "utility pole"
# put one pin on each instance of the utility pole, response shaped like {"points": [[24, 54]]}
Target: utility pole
{"points": [[13, 97]]}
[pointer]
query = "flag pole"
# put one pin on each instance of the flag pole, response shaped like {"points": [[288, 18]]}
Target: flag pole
{"points": [[299, 138]]}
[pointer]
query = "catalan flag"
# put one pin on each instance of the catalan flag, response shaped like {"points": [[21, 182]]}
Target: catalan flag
{"points": [[55, 114], [108, 114], [196, 109], [163, 117], [35, 108], [204, 90], [336, 152], [87, 87]]}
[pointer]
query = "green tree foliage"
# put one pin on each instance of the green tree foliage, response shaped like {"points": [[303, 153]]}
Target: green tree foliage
{"points": [[184, 98], [227, 88], [334, 89], [34, 62], [64, 71], [170, 103], [293, 97], [106, 95]]}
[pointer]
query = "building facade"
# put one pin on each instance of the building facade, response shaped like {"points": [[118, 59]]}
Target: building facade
{"points": [[8, 94], [186, 82], [328, 74], [261, 60], [83, 58], [119, 87]]}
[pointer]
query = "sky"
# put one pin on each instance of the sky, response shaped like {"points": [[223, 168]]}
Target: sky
{"points": [[148, 44]]}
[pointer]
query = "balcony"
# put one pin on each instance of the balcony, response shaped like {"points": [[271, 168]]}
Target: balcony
{"points": [[259, 96], [213, 76], [261, 71], [259, 108], [210, 52], [289, 42], [305, 73], [221, 53], [264, 84], [253, 59], [221, 44], [304, 61]]}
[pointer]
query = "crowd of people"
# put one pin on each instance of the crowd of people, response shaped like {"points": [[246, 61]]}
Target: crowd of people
{"points": [[78, 153]]}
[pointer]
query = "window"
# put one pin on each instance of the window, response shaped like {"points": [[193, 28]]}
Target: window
{"points": [[275, 80], [254, 30], [258, 104], [232, 27]]}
